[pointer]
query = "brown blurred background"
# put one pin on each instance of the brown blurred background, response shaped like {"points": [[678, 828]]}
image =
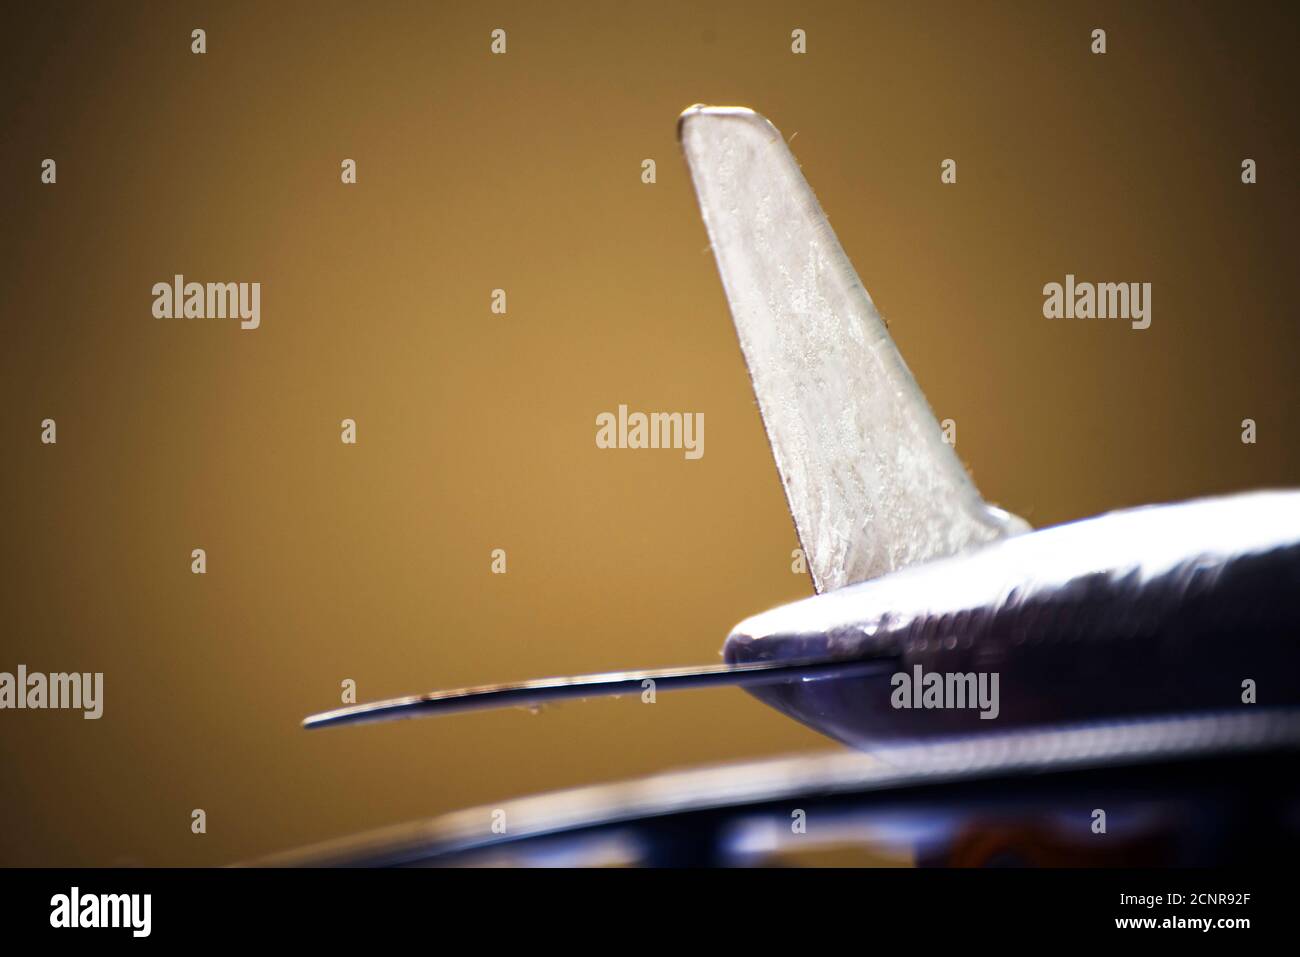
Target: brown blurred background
{"points": [[476, 431]]}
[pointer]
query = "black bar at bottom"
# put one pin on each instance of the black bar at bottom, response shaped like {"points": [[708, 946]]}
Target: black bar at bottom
{"points": [[443, 909]]}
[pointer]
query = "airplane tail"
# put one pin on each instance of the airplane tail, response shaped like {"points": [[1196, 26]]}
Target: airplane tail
{"points": [[870, 482]]}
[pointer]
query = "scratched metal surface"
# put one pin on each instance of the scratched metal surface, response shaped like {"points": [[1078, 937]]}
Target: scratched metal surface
{"points": [[869, 480], [1164, 608]]}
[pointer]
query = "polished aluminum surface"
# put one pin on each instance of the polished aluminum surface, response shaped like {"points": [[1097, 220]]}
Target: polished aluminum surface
{"points": [[1163, 608]]}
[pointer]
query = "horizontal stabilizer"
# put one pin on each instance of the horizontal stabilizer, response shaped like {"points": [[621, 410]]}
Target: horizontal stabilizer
{"points": [[528, 694]]}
